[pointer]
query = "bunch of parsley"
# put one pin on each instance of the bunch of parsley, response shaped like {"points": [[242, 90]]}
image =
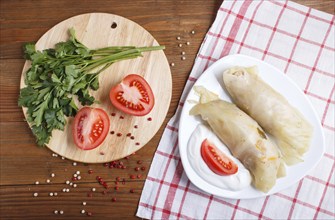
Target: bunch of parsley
{"points": [[60, 74]]}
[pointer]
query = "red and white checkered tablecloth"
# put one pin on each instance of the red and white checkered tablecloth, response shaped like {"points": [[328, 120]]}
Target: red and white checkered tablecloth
{"points": [[299, 41]]}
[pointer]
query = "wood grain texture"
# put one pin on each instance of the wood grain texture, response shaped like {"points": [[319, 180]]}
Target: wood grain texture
{"points": [[22, 163], [153, 66]]}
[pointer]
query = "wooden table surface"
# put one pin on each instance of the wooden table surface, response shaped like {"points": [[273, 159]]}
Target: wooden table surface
{"points": [[22, 163]]}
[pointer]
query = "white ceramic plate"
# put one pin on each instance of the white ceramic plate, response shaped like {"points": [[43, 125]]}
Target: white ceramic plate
{"points": [[212, 80]]}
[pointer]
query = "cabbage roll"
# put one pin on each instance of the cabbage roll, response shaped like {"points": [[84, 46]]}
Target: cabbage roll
{"points": [[271, 110], [245, 139]]}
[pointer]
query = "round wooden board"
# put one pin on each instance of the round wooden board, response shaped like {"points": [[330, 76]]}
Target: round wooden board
{"points": [[95, 31]]}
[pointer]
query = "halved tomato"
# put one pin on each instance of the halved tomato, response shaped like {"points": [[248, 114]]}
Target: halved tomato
{"points": [[216, 160], [90, 127], [133, 95]]}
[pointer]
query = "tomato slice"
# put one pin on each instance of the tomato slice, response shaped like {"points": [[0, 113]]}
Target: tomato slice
{"points": [[90, 127], [216, 160], [133, 95]]}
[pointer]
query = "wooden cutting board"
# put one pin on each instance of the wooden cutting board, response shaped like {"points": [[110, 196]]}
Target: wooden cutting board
{"points": [[96, 30]]}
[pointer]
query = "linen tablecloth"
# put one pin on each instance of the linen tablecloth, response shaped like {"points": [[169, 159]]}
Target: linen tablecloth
{"points": [[299, 41]]}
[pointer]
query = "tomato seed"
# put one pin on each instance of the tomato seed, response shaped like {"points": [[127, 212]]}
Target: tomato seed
{"points": [[137, 143], [143, 168], [113, 114], [102, 153], [139, 162], [121, 117], [131, 191], [135, 126], [119, 134], [112, 132], [149, 119], [136, 168], [129, 134], [132, 137]]}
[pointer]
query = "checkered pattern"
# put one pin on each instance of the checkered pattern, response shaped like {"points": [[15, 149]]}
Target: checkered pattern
{"points": [[299, 41]]}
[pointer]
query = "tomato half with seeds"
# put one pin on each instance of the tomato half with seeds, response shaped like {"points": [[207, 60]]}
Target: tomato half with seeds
{"points": [[90, 127], [216, 160], [133, 95]]}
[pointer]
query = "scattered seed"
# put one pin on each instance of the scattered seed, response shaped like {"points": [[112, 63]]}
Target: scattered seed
{"points": [[180, 45], [89, 194], [172, 64], [64, 190], [183, 53], [113, 199], [51, 194], [74, 179], [143, 168], [93, 189], [67, 190], [52, 175], [131, 191], [116, 187], [89, 214], [37, 182], [48, 181], [67, 182], [77, 172], [74, 164], [139, 176], [104, 192], [139, 162], [55, 194], [63, 158], [192, 32], [84, 203], [82, 211], [136, 168], [178, 38], [75, 175], [90, 171], [35, 194], [74, 185], [79, 177], [183, 58], [188, 43], [61, 212], [56, 211], [132, 176]]}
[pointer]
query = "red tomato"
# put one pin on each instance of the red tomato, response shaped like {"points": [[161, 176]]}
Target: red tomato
{"points": [[216, 160], [90, 127], [133, 95]]}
